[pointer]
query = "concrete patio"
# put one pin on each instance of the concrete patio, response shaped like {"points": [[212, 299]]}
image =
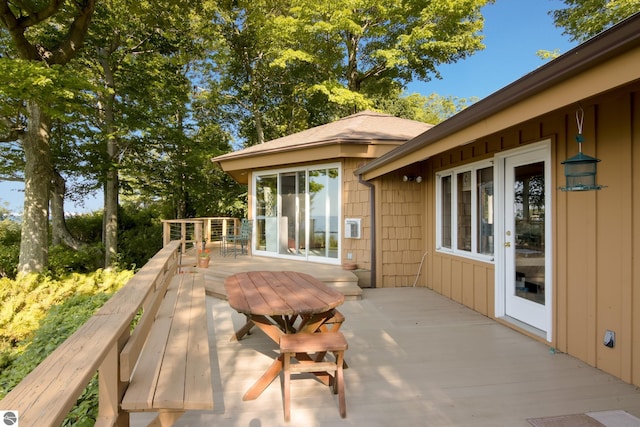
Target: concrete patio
{"points": [[415, 358]]}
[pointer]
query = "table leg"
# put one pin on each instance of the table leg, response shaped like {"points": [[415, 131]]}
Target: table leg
{"points": [[245, 330], [267, 326], [312, 323], [166, 418], [273, 328], [267, 378]]}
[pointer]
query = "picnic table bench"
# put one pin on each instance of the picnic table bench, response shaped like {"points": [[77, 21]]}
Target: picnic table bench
{"points": [[166, 360]]}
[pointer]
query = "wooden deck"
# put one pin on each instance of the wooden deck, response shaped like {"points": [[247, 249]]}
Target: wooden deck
{"points": [[416, 359], [223, 266]]}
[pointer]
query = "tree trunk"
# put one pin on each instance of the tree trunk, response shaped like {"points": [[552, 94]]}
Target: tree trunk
{"points": [[60, 234], [111, 183], [259, 128], [353, 82], [34, 247], [111, 211]]}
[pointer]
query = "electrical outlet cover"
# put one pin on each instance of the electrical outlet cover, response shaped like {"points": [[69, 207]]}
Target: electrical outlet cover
{"points": [[609, 338]]}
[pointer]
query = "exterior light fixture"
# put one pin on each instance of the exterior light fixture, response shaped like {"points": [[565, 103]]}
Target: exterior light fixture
{"points": [[580, 170], [407, 178]]}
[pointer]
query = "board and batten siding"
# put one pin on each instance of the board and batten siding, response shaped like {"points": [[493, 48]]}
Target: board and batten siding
{"points": [[596, 234]]}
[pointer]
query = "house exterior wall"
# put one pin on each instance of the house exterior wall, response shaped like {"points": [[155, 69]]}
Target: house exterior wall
{"points": [[356, 203], [400, 231], [596, 234]]}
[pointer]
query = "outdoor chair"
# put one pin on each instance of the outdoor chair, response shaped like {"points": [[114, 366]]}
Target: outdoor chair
{"points": [[241, 239]]}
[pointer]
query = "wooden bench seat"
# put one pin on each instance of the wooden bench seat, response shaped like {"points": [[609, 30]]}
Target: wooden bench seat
{"points": [[293, 344], [173, 371]]}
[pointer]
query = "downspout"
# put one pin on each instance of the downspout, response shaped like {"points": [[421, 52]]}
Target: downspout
{"points": [[372, 214]]}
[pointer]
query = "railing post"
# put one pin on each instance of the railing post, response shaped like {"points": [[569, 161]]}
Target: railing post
{"points": [[197, 231], [111, 389], [166, 233], [183, 236], [207, 229]]}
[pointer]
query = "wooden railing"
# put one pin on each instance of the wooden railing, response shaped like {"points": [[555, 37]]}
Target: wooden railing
{"points": [[49, 392], [197, 230]]}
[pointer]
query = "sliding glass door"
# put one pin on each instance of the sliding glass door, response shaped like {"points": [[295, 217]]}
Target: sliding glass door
{"points": [[297, 213]]}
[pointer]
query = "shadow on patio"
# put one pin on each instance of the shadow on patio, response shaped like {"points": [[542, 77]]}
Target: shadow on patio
{"points": [[415, 358]]}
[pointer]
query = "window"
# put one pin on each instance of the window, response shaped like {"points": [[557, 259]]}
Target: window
{"points": [[464, 220], [445, 214], [297, 212]]}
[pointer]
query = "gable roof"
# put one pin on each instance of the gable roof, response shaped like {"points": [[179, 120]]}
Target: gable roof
{"points": [[604, 62]]}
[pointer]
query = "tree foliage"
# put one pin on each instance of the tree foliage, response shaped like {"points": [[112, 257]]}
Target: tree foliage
{"points": [[583, 19], [136, 97], [48, 33], [37, 313], [288, 66]]}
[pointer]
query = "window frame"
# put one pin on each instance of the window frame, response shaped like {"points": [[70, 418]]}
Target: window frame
{"points": [[337, 201], [453, 174]]}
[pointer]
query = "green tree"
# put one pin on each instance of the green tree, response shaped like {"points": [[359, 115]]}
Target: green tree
{"points": [[583, 19], [141, 55], [49, 35], [431, 109], [369, 48], [287, 66]]}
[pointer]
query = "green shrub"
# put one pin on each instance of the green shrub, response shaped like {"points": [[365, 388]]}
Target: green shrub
{"points": [[9, 248], [64, 260], [37, 313], [86, 227], [140, 236]]}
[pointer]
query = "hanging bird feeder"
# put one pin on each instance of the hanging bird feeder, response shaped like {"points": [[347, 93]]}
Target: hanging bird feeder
{"points": [[580, 170]]}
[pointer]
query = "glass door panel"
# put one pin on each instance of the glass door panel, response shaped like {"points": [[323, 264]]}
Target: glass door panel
{"points": [[267, 212], [292, 218], [525, 249], [333, 198], [297, 213], [529, 232], [318, 214]]}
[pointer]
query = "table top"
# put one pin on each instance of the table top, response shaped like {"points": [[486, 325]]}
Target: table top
{"points": [[280, 293]]}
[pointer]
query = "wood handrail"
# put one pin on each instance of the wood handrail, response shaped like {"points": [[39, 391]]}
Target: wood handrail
{"points": [[47, 394]]}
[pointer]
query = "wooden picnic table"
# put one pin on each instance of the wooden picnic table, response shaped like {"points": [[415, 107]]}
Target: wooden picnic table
{"points": [[280, 302]]}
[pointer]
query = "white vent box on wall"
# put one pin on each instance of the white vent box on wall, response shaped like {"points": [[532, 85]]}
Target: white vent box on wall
{"points": [[352, 228]]}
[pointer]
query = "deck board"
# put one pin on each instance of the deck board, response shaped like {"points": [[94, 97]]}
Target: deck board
{"points": [[415, 358]]}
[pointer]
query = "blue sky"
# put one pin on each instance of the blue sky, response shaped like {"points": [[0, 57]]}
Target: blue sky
{"points": [[514, 31]]}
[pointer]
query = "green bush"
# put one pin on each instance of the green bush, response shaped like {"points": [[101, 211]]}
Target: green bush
{"points": [[139, 236], [86, 227], [64, 260], [37, 313], [9, 247]]}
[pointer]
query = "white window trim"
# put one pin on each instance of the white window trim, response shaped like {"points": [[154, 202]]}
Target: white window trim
{"points": [[453, 172]]}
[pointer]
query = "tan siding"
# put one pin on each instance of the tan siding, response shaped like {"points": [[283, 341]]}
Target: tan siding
{"points": [[480, 289], [557, 126], [613, 238], [356, 204], [456, 279], [401, 226], [596, 234], [468, 288], [634, 357]]}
